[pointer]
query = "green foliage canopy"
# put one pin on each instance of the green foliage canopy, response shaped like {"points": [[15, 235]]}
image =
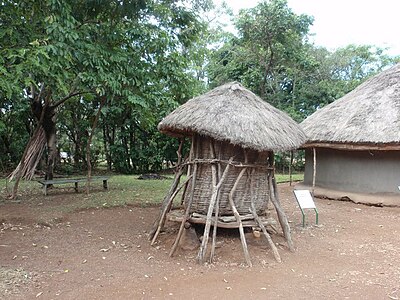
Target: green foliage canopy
{"points": [[136, 53]]}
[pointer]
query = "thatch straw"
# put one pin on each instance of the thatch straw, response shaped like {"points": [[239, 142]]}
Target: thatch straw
{"points": [[370, 114], [234, 114]]}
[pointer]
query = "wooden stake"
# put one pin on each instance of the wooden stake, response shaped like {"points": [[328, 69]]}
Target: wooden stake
{"points": [[275, 200], [204, 242], [216, 213], [237, 216], [189, 203], [281, 214], [167, 208], [258, 220], [314, 169], [166, 204], [264, 230]]}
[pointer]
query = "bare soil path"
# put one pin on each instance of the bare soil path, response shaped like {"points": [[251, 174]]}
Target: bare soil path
{"points": [[105, 254]]}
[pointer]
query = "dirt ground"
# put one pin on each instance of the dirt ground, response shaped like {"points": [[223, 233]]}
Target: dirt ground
{"points": [[105, 254]]}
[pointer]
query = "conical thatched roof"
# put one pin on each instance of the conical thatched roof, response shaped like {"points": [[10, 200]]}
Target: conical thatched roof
{"points": [[369, 116], [234, 114]]}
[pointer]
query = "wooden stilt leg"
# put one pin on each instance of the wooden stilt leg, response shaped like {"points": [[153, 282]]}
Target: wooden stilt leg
{"points": [[258, 220], [237, 216], [203, 247], [275, 200], [281, 214], [217, 170], [166, 203], [189, 203], [266, 234], [215, 228], [186, 215], [167, 208]]}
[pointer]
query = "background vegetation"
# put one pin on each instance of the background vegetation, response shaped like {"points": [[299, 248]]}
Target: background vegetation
{"points": [[62, 60]]}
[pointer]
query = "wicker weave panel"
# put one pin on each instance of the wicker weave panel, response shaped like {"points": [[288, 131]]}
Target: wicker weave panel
{"points": [[252, 184]]}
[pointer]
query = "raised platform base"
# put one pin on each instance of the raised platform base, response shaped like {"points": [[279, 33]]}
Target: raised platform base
{"points": [[223, 221]]}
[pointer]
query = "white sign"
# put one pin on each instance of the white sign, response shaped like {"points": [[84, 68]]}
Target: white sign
{"points": [[304, 198]]}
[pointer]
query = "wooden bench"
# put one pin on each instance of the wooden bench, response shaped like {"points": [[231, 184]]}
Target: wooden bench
{"points": [[47, 183]]}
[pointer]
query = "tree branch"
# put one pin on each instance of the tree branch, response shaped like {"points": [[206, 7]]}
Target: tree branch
{"points": [[58, 103]]}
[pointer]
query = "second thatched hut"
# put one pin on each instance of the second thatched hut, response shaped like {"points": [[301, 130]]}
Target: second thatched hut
{"points": [[353, 144], [233, 135]]}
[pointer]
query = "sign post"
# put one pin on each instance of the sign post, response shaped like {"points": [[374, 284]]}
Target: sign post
{"points": [[306, 201]]}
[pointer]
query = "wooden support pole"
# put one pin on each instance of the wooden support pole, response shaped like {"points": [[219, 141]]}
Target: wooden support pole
{"points": [[275, 200], [258, 220], [314, 169], [166, 204], [189, 203], [281, 214], [216, 178], [266, 234], [204, 242], [168, 208], [238, 220]]}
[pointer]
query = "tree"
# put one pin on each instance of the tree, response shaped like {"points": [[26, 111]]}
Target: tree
{"points": [[269, 46], [57, 50], [272, 56]]}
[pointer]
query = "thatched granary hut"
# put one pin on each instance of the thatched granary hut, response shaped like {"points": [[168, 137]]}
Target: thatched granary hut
{"points": [[357, 140], [230, 165]]}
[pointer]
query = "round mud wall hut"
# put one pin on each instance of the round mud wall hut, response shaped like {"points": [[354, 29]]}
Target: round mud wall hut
{"points": [[356, 142], [233, 134]]}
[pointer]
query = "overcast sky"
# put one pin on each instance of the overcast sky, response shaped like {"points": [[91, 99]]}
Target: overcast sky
{"points": [[338, 23]]}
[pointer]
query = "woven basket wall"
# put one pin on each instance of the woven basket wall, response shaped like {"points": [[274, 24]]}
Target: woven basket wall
{"points": [[243, 194]]}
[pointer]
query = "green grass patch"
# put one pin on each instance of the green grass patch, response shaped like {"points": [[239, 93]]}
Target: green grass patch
{"points": [[285, 178], [124, 190]]}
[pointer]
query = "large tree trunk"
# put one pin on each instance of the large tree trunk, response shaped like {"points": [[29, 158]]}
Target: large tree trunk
{"points": [[44, 112], [47, 116], [38, 111], [49, 126]]}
